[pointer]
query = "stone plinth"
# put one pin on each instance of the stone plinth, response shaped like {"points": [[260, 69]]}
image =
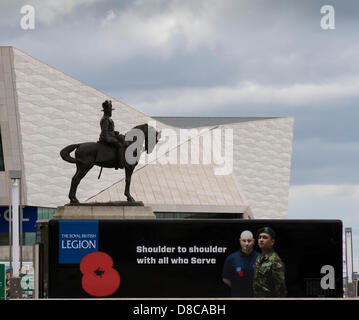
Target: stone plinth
{"points": [[101, 211]]}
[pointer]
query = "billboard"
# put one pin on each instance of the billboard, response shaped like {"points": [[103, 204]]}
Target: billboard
{"points": [[195, 258]]}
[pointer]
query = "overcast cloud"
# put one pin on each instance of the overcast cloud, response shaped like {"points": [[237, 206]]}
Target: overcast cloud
{"points": [[221, 58]]}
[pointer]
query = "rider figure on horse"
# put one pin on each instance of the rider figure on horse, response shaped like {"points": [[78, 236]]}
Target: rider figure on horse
{"points": [[110, 136]]}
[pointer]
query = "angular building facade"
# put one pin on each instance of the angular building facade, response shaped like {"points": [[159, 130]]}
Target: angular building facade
{"points": [[43, 110]]}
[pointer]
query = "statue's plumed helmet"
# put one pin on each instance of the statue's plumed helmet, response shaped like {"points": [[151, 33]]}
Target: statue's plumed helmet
{"points": [[107, 105]]}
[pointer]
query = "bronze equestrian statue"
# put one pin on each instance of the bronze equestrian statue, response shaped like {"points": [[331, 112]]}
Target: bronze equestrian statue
{"points": [[113, 150]]}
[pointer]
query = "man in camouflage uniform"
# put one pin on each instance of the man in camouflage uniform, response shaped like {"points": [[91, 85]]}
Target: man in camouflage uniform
{"points": [[269, 270]]}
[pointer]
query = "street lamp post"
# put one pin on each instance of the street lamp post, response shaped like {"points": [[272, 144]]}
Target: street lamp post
{"points": [[349, 261], [15, 221]]}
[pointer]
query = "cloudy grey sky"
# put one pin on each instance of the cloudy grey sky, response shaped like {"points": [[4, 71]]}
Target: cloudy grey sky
{"points": [[221, 58]]}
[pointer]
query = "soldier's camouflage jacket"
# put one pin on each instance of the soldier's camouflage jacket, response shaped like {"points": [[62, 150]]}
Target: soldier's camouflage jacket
{"points": [[269, 276]]}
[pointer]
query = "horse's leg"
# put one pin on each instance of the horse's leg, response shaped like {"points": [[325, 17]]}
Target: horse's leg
{"points": [[72, 193], [128, 171], [80, 173]]}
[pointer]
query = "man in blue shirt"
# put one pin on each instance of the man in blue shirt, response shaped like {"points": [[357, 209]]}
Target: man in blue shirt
{"points": [[238, 267]]}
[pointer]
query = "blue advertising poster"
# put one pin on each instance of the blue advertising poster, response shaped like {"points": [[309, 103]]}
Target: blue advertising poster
{"points": [[77, 239], [28, 221]]}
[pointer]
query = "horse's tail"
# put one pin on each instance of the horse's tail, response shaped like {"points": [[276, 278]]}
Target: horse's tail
{"points": [[65, 153]]}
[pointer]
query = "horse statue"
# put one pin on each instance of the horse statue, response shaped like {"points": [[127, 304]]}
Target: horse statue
{"points": [[89, 154]]}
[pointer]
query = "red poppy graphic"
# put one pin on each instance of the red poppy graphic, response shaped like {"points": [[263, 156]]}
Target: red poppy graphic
{"points": [[99, 278]]}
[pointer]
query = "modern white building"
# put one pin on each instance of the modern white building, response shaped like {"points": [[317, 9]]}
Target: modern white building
{"points": [[43, 110]]}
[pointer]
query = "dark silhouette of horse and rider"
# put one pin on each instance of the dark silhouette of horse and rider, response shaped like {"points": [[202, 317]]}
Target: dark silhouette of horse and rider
{"points": [[113, 150]]}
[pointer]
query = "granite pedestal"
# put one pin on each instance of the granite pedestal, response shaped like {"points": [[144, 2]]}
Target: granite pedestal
{"points": [[101, 211]]}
